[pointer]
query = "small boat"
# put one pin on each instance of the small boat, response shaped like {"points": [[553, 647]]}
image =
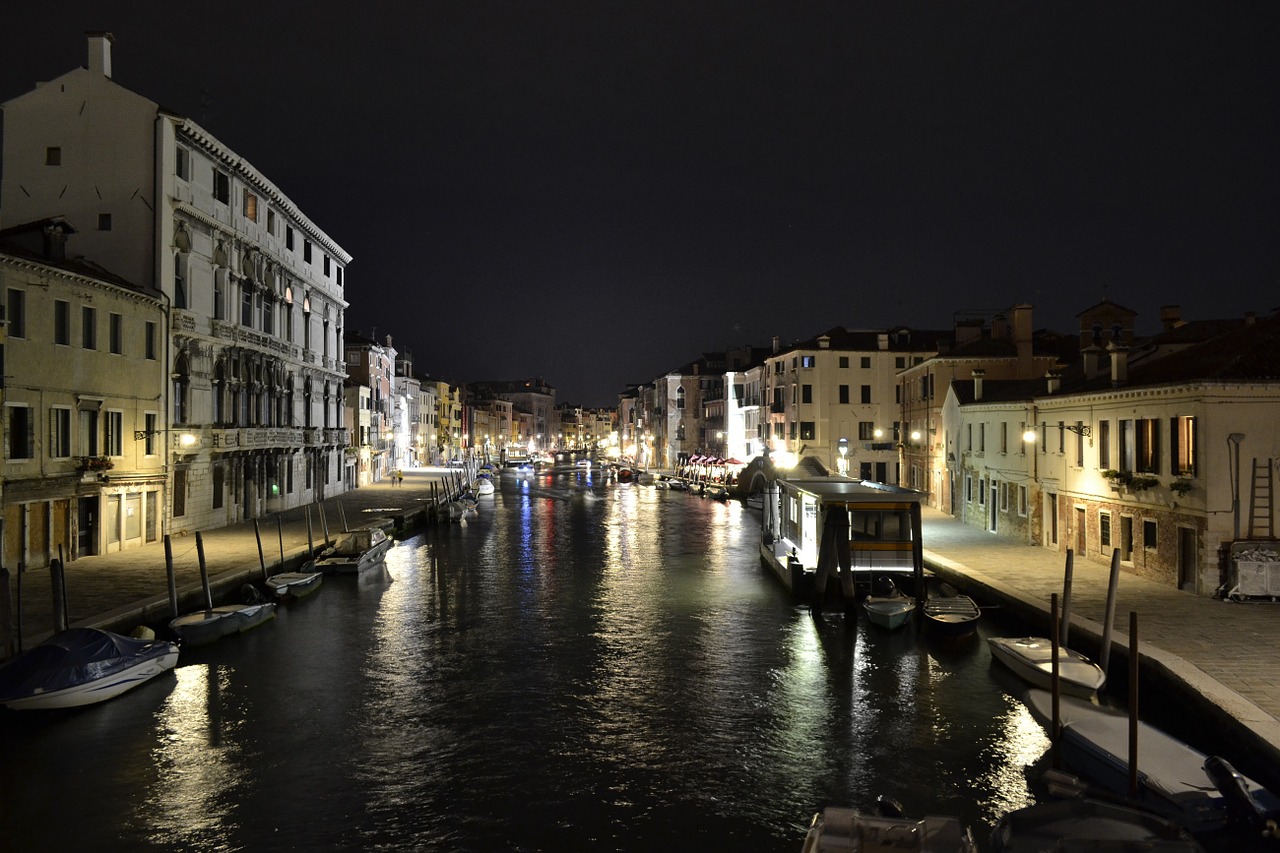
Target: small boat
{"points": [[887, 607], [625, 475], [951, 615], [82, 666], [1174, 780], [205, 626], [677, 485], [717, 492], [1088, 824], [354, 551], [838, 828], [1031, 659], [295, 584], [483, 486]]}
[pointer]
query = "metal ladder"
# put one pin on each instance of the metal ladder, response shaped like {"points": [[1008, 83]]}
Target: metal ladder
{"points": [[1260, 505]]}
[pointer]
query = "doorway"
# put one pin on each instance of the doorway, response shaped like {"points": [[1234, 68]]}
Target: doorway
{"points": [[86, 526], [1080, 532]]}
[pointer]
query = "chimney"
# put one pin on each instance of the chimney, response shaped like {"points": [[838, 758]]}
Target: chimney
{"points": [[1091, 361], [1022, 338], [1119, 363], [100, 52], [1055, 380], [777, 344], [1170, 317], [999, 328], [882, 341], [977, 384], [824, 342]]}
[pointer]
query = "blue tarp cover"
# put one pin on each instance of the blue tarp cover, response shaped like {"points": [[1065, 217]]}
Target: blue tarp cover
{"points": [[75, 656]]}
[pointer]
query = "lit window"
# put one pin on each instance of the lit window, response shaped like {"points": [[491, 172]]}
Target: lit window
{"points": [[250, 206]]}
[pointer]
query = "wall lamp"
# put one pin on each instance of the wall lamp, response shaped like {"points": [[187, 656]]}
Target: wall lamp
{"points": [[1083, 430], [140, 434]]}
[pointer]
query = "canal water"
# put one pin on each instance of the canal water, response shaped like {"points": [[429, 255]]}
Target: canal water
{"points": [[586, 666]]}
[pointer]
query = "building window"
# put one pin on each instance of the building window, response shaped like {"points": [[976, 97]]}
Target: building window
{"points": [[866, 393], [968, 488], [806, 393], [968, 436], [115, 333], [844, 394], [1182, 444], [59, 433], [1022, 501], [180, 296], [88, 432], [1104, 529], [1079, 431], [151, 341], [16, 313], [1149, 534], [288, 237], [221, 186], [806, 361], [113, 430], [339, 277], [327, 272], [149, 443], [866, 430], [179, 492], [89, 327], [306, 251], [982, 437], [219, 484], [249, 207], [1147, 436], [104, 221], [20, 432], [844, 361], [181, 162], [806, 431], [866, 362], [1104, 445], [1004, 437], [219, 294], [271, 222], [246, 305], [982, 492], [62, 322], [53, 156]]}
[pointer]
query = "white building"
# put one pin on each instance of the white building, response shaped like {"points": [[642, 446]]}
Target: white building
{"points": [[252, 289]]}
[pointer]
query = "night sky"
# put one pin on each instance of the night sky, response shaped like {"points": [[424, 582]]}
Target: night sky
{"points": [[597, 192]]}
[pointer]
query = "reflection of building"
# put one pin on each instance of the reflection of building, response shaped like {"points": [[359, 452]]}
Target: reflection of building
{"points": [[253, 288], [85, 445]]}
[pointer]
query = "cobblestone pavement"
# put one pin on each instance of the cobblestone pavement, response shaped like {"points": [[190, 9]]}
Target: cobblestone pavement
{"points": [[1225, 652]]}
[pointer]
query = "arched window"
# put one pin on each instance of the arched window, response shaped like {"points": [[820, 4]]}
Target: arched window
{"points": [[680, 398], [181, 282]]}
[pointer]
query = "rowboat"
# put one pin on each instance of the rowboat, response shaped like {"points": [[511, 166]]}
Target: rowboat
{"points": [[951, 615], [295, 584], [82, 666], [1031, 659], [887, 607], [205, 626]]}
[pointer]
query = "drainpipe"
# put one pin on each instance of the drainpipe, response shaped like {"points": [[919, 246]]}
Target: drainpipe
{"points": [[1233, 451]]}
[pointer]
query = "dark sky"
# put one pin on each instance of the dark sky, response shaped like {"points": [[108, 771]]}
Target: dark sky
{"points": [[597, 192]]}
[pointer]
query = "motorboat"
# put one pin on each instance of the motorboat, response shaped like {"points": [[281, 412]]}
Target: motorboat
{"points": [[295, 584], [355, 551], [716, 491], [887, 607], [1031, 659], [1088, 824], [483, 486], [82, 666], [206, 626], [1174, 780], [516, 468], [838, 828], [951, 615]]}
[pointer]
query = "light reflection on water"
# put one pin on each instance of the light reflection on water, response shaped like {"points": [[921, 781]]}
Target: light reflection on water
{"points": [[585, 666]]}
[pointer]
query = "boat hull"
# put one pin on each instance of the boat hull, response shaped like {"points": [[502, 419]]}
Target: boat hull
{"points": [[1031, 659], [33, 683], [889, 613], [294, 584], [952, 617], [1088, 824], [207, 626]]}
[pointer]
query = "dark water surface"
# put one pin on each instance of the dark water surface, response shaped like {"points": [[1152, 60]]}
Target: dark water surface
{"points": [[584, 667]]}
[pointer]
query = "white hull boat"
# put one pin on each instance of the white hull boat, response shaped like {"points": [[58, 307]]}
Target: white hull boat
{"points": [[354, 551], [295, 584], [484, 486], [887, 607], [82, 666], [845, 829], [206, 626], [1172, 777], [1031, 659]]}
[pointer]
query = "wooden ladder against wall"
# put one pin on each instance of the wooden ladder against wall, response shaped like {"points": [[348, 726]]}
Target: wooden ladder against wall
{"points": [[1260, 502]]}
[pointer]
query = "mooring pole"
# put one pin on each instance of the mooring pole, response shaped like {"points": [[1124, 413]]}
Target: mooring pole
{"points": [[280, 534], [1133, 704], [204, 574], [1066, 599], [1055, 728], [262, 560], [1104, 658], [6, 611], [171, 577], [57, 580]]}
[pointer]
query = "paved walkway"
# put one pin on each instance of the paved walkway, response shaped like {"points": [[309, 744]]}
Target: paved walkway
{"points": [[1224, 652]]}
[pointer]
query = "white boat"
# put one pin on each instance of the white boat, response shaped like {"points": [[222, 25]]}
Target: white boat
{"points": [[206, 626], [354, 551], [1172, 778], [887, 607], [844, 829], [483, 486], [1031, 659], [295, 584], [82, 666], [1091, 825]]}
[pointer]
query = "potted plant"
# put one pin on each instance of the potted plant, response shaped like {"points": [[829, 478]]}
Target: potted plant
{"points": [[1181, 486], [1142, 482], [1119, 480], [94, 463]]}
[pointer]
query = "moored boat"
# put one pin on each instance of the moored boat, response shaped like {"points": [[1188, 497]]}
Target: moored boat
{"points": [[1031, 659], [1087, 824], [82, 666], [483, 486], [1173, 780], [847, 829], [951, 615], [295, 584], [355, 551], [886, 606], [206, 626]]}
